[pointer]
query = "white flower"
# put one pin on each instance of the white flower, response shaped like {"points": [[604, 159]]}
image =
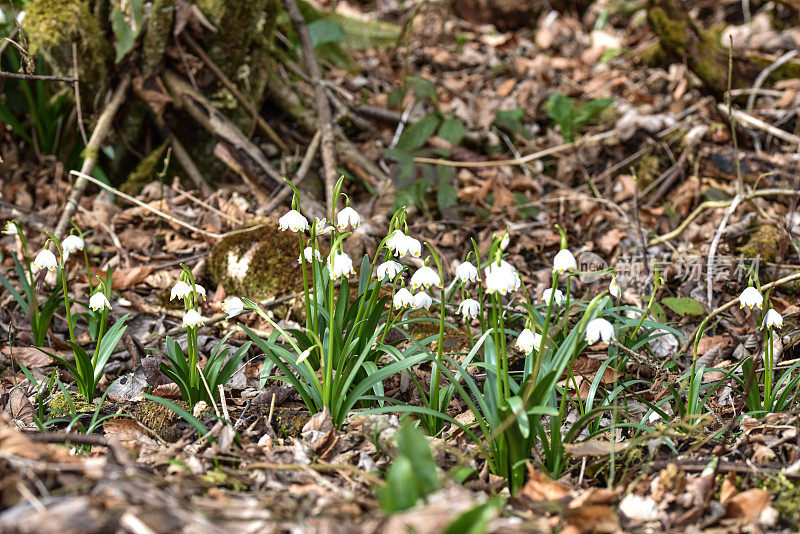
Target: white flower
{"points": [[403, 299], [558, 298], [98, 301], [772, 319], [11, 228], [466, 272], [599, 329], [394, 240], [340, 265], [180, 290], [389, 269], [348, 216], [528, 340], [45, 260], [323, 228], [294, 221], [422, 300], [504, 242], [751, 298], [425, 277], [71, 243], [192, 318], [307, 254], [200, 290], [402, 244], [304, 355], [232, 306], [502, 278], [469, 308], [614, 288], [564, 261]]}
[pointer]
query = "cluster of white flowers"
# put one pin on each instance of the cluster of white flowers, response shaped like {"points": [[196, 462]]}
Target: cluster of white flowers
{"points": [[501, 278], [752, 298], [11, 228]]}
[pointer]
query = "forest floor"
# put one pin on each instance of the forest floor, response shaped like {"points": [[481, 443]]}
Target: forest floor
{"points": [[463, 121]]}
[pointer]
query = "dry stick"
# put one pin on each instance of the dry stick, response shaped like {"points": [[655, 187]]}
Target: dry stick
{"points": [[78, 93], [206, 205], [323, 106], [302, 172], [744, 118], [187, 163], [148, 207], [92, 150], [243, 100], [43, 77], [762, 76]]}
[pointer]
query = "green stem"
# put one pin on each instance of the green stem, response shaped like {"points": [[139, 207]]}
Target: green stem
{"points": [[768, 364]]}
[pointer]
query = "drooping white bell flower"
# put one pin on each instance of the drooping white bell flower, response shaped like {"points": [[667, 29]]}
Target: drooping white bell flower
{"points": [[11, 228], [98, 301], [614, 288], [340, 265], [772, 319], [389, 269], [751, 298], [564, 261], [422, 301], [558, 298], [322, 226], [192, 318], [294, 221], [348, 217], [502, 278], [309, 253], [528, 340], [232, 306], [304, 355], [180, 290], [469, 308], [70, 244], [425, 277], [466, 272], [394, 240], [505, 240], [403, 298], [45, 260], [598, 329], [200, 290]]}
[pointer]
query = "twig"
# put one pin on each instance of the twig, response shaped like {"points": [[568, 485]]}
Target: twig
{"points": [[712, 250], [206, 205], [229, 85], [92, 151], [744, 118], [43, 77], [323, 106], [764, 74], [302, 172], [148, 207], [78, 93], [71, 437]]}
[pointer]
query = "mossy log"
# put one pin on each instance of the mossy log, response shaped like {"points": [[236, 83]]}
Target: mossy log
{"points": [[707, 57]]}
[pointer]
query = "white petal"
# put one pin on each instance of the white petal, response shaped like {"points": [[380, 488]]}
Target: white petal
{"points": [[564, 261]]}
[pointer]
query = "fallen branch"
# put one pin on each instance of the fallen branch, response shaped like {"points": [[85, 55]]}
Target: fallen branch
{"points": [[92, 151], [743, 118], [42, 77], [323, 106]]}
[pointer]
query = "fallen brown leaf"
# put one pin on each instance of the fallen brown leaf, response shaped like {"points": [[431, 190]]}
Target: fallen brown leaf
{"points": [[748, 505], [540, 487], [29, 356]]}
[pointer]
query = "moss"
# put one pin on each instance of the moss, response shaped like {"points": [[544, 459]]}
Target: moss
{"points": [[289, 423], [159, 30], [53, 25], [647, 168], [654, 55], [60, 406], [219, 478], [143, 173], [257, 263], [157, 417], [763, 243]]}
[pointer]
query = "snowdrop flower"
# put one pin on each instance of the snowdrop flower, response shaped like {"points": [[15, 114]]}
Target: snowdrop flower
{"points": [[192, 318], [232, 306], [322, 226], [394, 240], [504, 242], [772, 319], [469, 308], [466, 272], [307, 254], [389, 269], [502, 278], [402, 244], [425, 277], [11, 228], [348, 216], [340, 265], [293, 221], [70, 244], [614, 288], [599, 329], [751, 298], [304, 355], [45, 260], [403, 299], [528, 340], [200, 290], [558, 298], [422, 300], [564, 261], [180, 290], [98, 301]]}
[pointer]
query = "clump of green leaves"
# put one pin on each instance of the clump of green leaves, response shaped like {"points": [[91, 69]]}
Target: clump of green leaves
{"points": [[572, 116], [413, 474]]}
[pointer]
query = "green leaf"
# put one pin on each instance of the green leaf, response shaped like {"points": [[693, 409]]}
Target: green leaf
{"points": [[126, 36], [400, 492], [511, 120], [422, 88], [404, 172], [562, 110], [418, 133], [590, 110], [324, 31], [452, 131], [476, 520], [412, 444], [684, 306]]}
